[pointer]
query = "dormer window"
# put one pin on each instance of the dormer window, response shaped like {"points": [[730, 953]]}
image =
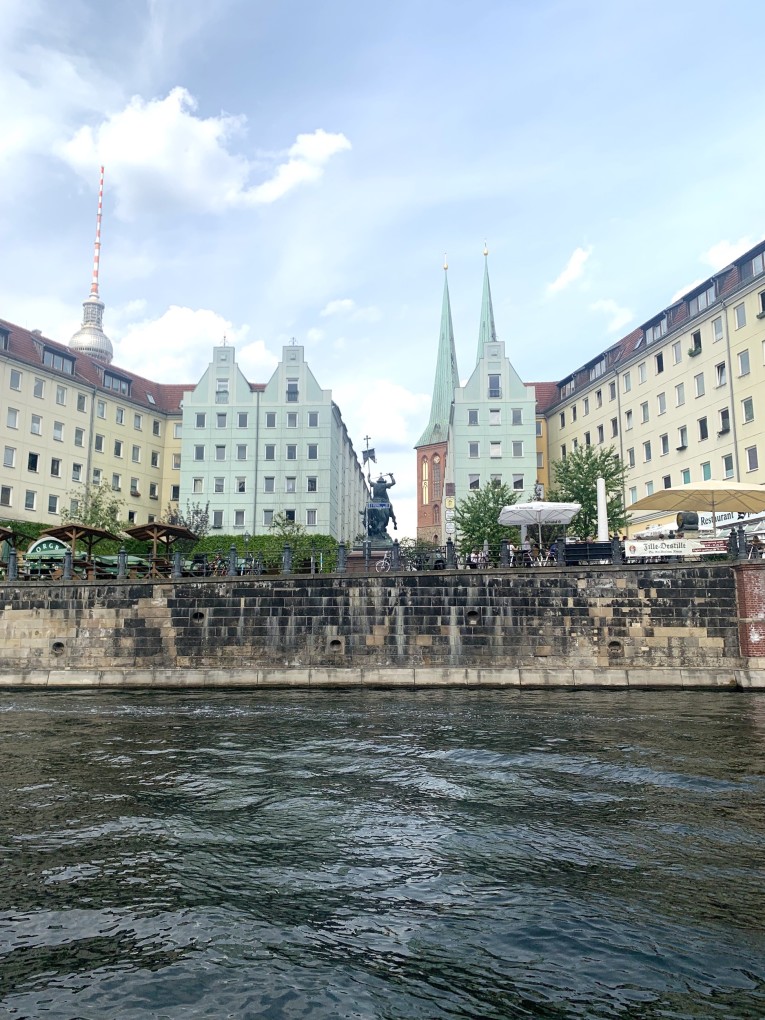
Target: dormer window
{"points": [[59, 362], [567, 387], [4, 339], [117, 383], [701, 301], [597, 369], [656, 330], [754, 266]]}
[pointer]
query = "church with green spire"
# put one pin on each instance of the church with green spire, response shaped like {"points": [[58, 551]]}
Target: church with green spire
{"points": [[477, 433]]}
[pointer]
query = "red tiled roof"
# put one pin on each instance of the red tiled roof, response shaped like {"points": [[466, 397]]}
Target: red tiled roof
{"points": [[547, 394]]}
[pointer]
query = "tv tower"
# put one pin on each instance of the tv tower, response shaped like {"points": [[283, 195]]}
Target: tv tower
{"points": [[90, 337]]}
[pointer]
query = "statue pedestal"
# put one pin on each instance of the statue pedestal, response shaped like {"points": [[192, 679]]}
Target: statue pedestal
{"points": [[355, 563]]}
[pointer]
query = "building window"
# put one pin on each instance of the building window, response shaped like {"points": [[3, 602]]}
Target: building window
{"points": [[217, 521], [176, 462], [98, 443], [220, 420], [97, 476], [119, 415], [659, 363], [563, 451], [39, 388], [197, 485], [727, 463], [116, 383], [424, 481], [268, 518], [473, 450], [698, 384], [664, 444], [598, 398], [30, 500], [82, 402], [238, 518], [101, 409], [600, 432], [241, 419], [290, 484], [516, 415], [200, 419], [219, 485], [178, 430], [703, 430], [15, 382], [540, 460], [292, 391], [9, 457], [647, 451], [313, 419], [221, 391], [679, 394], [241, 451], [220, 452], [61, 395], [292, 452], [517, 448], [292, 420], [495, 417], [154, 460], [313, 451], [33, 462], [587, 439], [627, 420], [739, 315], [52, 504], [667, 481], [135, 454], [138, 422], [117, 482], [685, 474], [573, 412], [724, 421], [563, 419], [633, 494], [175, 493], [706, 471], [586, 406], [134, 490], [55, 467], [117, 447], [474, 481], [677, 353], [517, 482], [626, 382], [644, 412], [701, 301], [269, 483], [717, 329], [649, 488], [751, 458], [495, 449], [656, 331], [79, 437], [721, 375], [270, 452], [642, 372], [682, 437], [36, 426], [199, 453], [241, 485], [289, 516], [58, 431], [661, 402], [747, 409], [270, 419], [743, 363], [311, 484], [495, 388]]}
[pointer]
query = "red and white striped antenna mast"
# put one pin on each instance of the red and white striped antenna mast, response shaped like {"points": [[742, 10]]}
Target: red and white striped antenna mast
{"points": [[97, 248]]}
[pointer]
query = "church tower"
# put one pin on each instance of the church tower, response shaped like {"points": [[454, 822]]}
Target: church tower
{"points": [[90, 337], [432, 446]]}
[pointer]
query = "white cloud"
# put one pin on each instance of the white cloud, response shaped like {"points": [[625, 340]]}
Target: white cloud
{"points": [[724, 252], [572, 270], [313, 336], [347, 307], [159, 152], [619, 317], [684, 290]]}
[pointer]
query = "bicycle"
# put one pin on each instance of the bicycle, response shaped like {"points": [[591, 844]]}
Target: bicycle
{"points": [[383, 566]]}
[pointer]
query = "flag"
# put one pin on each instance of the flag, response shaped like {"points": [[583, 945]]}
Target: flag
{"points": [[369, 455]]}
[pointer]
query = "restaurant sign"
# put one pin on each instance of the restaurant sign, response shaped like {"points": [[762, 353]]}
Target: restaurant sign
{"points": [[674, 547]]}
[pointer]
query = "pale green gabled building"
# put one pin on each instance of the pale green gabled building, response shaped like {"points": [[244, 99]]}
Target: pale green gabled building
{"points": [[493, 431], [254, 451]]}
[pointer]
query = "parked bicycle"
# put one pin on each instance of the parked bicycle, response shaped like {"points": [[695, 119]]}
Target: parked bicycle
{"points": [[383, 565]]}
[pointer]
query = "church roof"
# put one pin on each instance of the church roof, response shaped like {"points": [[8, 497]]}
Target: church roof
{"points": [[446, 381], [487, 331]]}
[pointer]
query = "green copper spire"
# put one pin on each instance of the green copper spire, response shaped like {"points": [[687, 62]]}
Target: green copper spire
{"points": [[487, 331], [447, 378]]}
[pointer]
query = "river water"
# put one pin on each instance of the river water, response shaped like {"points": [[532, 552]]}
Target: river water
{"points": [[382, 854]]}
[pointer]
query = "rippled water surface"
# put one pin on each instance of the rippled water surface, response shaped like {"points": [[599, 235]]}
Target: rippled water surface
{"points": [[382, 854]]}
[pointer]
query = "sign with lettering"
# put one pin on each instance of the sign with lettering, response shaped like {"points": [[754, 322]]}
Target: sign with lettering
{"points": [[634, 548], [47, 545], [450, 502]]}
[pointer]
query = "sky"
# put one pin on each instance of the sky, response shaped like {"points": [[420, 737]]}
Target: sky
{"points": [[287, 168]]}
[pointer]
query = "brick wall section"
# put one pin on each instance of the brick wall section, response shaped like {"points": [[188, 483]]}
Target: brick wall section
{"points": [[750, 584], [633, 617]]}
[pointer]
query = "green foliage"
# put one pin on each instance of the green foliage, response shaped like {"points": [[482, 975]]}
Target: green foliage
{"points": [[575, 481], [95, 506], [285, 529], [271, 547], [196, 517], [26, 531], [477, 518]]}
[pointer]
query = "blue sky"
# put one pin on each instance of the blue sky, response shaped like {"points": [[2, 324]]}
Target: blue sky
{"points": [[280, 169]]}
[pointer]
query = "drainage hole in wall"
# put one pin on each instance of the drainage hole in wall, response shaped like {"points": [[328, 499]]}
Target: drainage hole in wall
{"points": [[57, 647], [335, 645], [197, 617], [615, 649], [472, 617]]}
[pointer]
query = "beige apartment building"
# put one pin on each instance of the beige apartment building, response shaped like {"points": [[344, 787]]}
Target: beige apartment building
{"points": [[682, 398]]}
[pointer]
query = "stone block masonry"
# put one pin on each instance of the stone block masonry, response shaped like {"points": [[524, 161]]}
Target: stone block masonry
{"points": [[678, 625]]}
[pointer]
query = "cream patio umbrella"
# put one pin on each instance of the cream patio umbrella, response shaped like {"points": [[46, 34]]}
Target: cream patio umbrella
{"points": [[538, 512], [714, 497]]}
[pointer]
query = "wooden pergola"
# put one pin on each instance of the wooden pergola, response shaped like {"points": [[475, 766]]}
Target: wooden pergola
{"points": [[160, 535], [82, 533]]}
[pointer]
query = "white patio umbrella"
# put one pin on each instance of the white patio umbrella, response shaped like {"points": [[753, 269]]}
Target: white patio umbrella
{"points": [[538, 512], [714, 497]]}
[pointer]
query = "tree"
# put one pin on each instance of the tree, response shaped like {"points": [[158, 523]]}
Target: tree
{"points": [[284, 528], [477, 518], [95, 506], [575, 481], [196, 517]]}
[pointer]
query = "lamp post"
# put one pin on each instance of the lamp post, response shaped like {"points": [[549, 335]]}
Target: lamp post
{"points": [[247, 558]]}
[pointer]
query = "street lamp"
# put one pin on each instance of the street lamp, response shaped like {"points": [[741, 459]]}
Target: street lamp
{"points": [[247, 558]]}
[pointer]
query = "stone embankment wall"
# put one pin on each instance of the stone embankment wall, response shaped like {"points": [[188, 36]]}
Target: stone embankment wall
{"points": [[641, 626]]}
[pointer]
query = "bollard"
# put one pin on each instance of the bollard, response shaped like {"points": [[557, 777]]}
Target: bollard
{"points": [[259, 563], [742, 550], [287, 559], [732, 544], [232, 560], [504, 553], [342, 561], [13, 564], [67, 564], [122, 563], [367, 546], [177, 565], [560, 548], [395, 556], [451, 559]]}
